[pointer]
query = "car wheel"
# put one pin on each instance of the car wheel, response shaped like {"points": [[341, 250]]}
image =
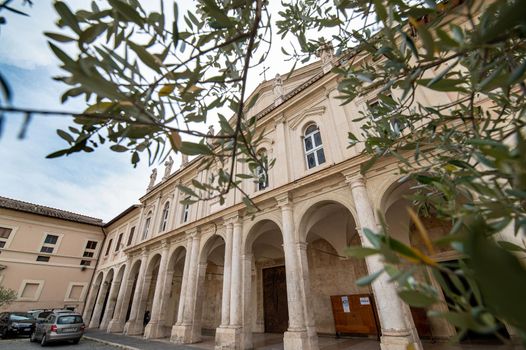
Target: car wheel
{"points": [[76, 341], [33, 337], [3, 335], [43, 342]]}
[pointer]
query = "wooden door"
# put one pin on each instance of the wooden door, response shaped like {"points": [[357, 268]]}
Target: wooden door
{"points": [[275, 305], [354, 314]]}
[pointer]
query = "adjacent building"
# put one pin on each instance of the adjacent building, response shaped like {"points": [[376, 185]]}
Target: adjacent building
{"points": [[48, 256]]}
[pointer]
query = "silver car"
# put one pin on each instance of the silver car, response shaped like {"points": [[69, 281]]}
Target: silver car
{"points": [[59, 327]]}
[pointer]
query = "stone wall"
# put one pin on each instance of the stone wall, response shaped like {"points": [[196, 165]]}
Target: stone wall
{"points": [[212, 296], [331, 275]]}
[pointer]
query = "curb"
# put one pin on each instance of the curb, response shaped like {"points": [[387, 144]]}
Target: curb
{"points": [[122, 346]]}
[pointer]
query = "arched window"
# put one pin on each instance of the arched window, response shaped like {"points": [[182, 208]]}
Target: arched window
{"points": [[262, 175], [313, 147], [164, 217], [147, 225]]}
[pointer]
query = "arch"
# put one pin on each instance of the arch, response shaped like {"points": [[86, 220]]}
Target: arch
{"points": [[251, 229], [153, 262], [304, 210], [109, 275], [176, 255], [258, 229], [210, 244]]}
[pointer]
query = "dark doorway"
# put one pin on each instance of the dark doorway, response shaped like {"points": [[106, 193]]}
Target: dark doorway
{"points": [[276, 312]]}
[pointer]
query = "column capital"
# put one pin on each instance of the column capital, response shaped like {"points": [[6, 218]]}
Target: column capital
{"points": [[192, 233], [284, 200], [354, 178], [302, 245], [165, 244], [230, 219], [279, 119], [144, 251]]}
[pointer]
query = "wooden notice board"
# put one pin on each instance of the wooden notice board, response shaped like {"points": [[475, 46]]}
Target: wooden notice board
{"points": [[354, 314]]}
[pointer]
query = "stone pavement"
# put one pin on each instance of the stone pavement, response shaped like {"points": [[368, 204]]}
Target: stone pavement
{"points": [[272, 342]]}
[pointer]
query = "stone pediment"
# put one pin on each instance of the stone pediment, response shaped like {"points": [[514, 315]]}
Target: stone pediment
{"points": [[295, 121]]}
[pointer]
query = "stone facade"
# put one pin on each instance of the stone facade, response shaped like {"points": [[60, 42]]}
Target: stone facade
{"points": [[199, 268]]}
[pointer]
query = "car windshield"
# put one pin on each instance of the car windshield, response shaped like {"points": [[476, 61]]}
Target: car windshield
{"points": [[44, 314], [69, 319], [21, 317]]}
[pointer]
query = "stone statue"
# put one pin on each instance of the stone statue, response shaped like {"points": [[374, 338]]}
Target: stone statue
{"points": [[326, 53], [278, 90], [278, 87], [184, 159], [168, 167], [153, 177]]}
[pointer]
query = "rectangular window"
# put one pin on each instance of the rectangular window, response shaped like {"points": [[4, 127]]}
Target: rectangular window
{"points": [[46, 249], [91, 245], [51, 239], [85, 263], [5, 232], [4, 235], [88, 255], [43, 258], [48, 246], [186, 212], [130, 237], [108, 247], [146, 228], [119, 240]]}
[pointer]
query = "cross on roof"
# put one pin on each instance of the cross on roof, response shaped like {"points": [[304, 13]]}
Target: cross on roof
{"points": [[265, 69]]}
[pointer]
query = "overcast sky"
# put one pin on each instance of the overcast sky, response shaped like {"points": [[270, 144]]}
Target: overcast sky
{"points": [[99, 184]]}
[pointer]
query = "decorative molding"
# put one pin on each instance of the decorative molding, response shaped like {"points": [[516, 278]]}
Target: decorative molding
{"points": [[284, 199], [295, 121], [82, 293], [37, 292]]}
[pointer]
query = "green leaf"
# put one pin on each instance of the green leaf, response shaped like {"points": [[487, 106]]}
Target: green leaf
{"points": [[90, 34], [443, 84], [59, 37], [360, 252], [119, 148], [65, 136], [166, 89], [67, 16], [57, 154], [127, 12], [146, 57], [194, 149], [366, 280], [221, 19], [416, 298], [512, 247]]}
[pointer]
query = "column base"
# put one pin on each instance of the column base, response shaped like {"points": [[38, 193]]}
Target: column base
{"points": [[399, 342], [228, 338], [296, 340], [115, 327], [184, 334], [133, 328], [155, 330]]}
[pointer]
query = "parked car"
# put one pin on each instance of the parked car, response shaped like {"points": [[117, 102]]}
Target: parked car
{"points": [[16, 323], [59, 327], [41, 316]]}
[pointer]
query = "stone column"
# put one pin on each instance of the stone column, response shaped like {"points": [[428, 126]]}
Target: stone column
{"points": [[154, 329], [396, 333], [135, 323], [95, 318], [296, 335], [185, 333], [90, 304], [117, 322], [110, 306], [229, 337], [225, 301], [310, 324], [184, 282]]}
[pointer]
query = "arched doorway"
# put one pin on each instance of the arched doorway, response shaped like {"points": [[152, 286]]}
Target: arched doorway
{"points": [[94, 295], [395, 204], [266, 307], [113, 292], [336, 305], [210, 286], [150, 282], [131, 285]]}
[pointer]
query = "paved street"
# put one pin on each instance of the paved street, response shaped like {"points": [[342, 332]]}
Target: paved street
{"points": [[25, 344]]}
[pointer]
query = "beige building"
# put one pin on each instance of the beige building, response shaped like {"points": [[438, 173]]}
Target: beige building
{"points": [[207, 268], [48, 256]]}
